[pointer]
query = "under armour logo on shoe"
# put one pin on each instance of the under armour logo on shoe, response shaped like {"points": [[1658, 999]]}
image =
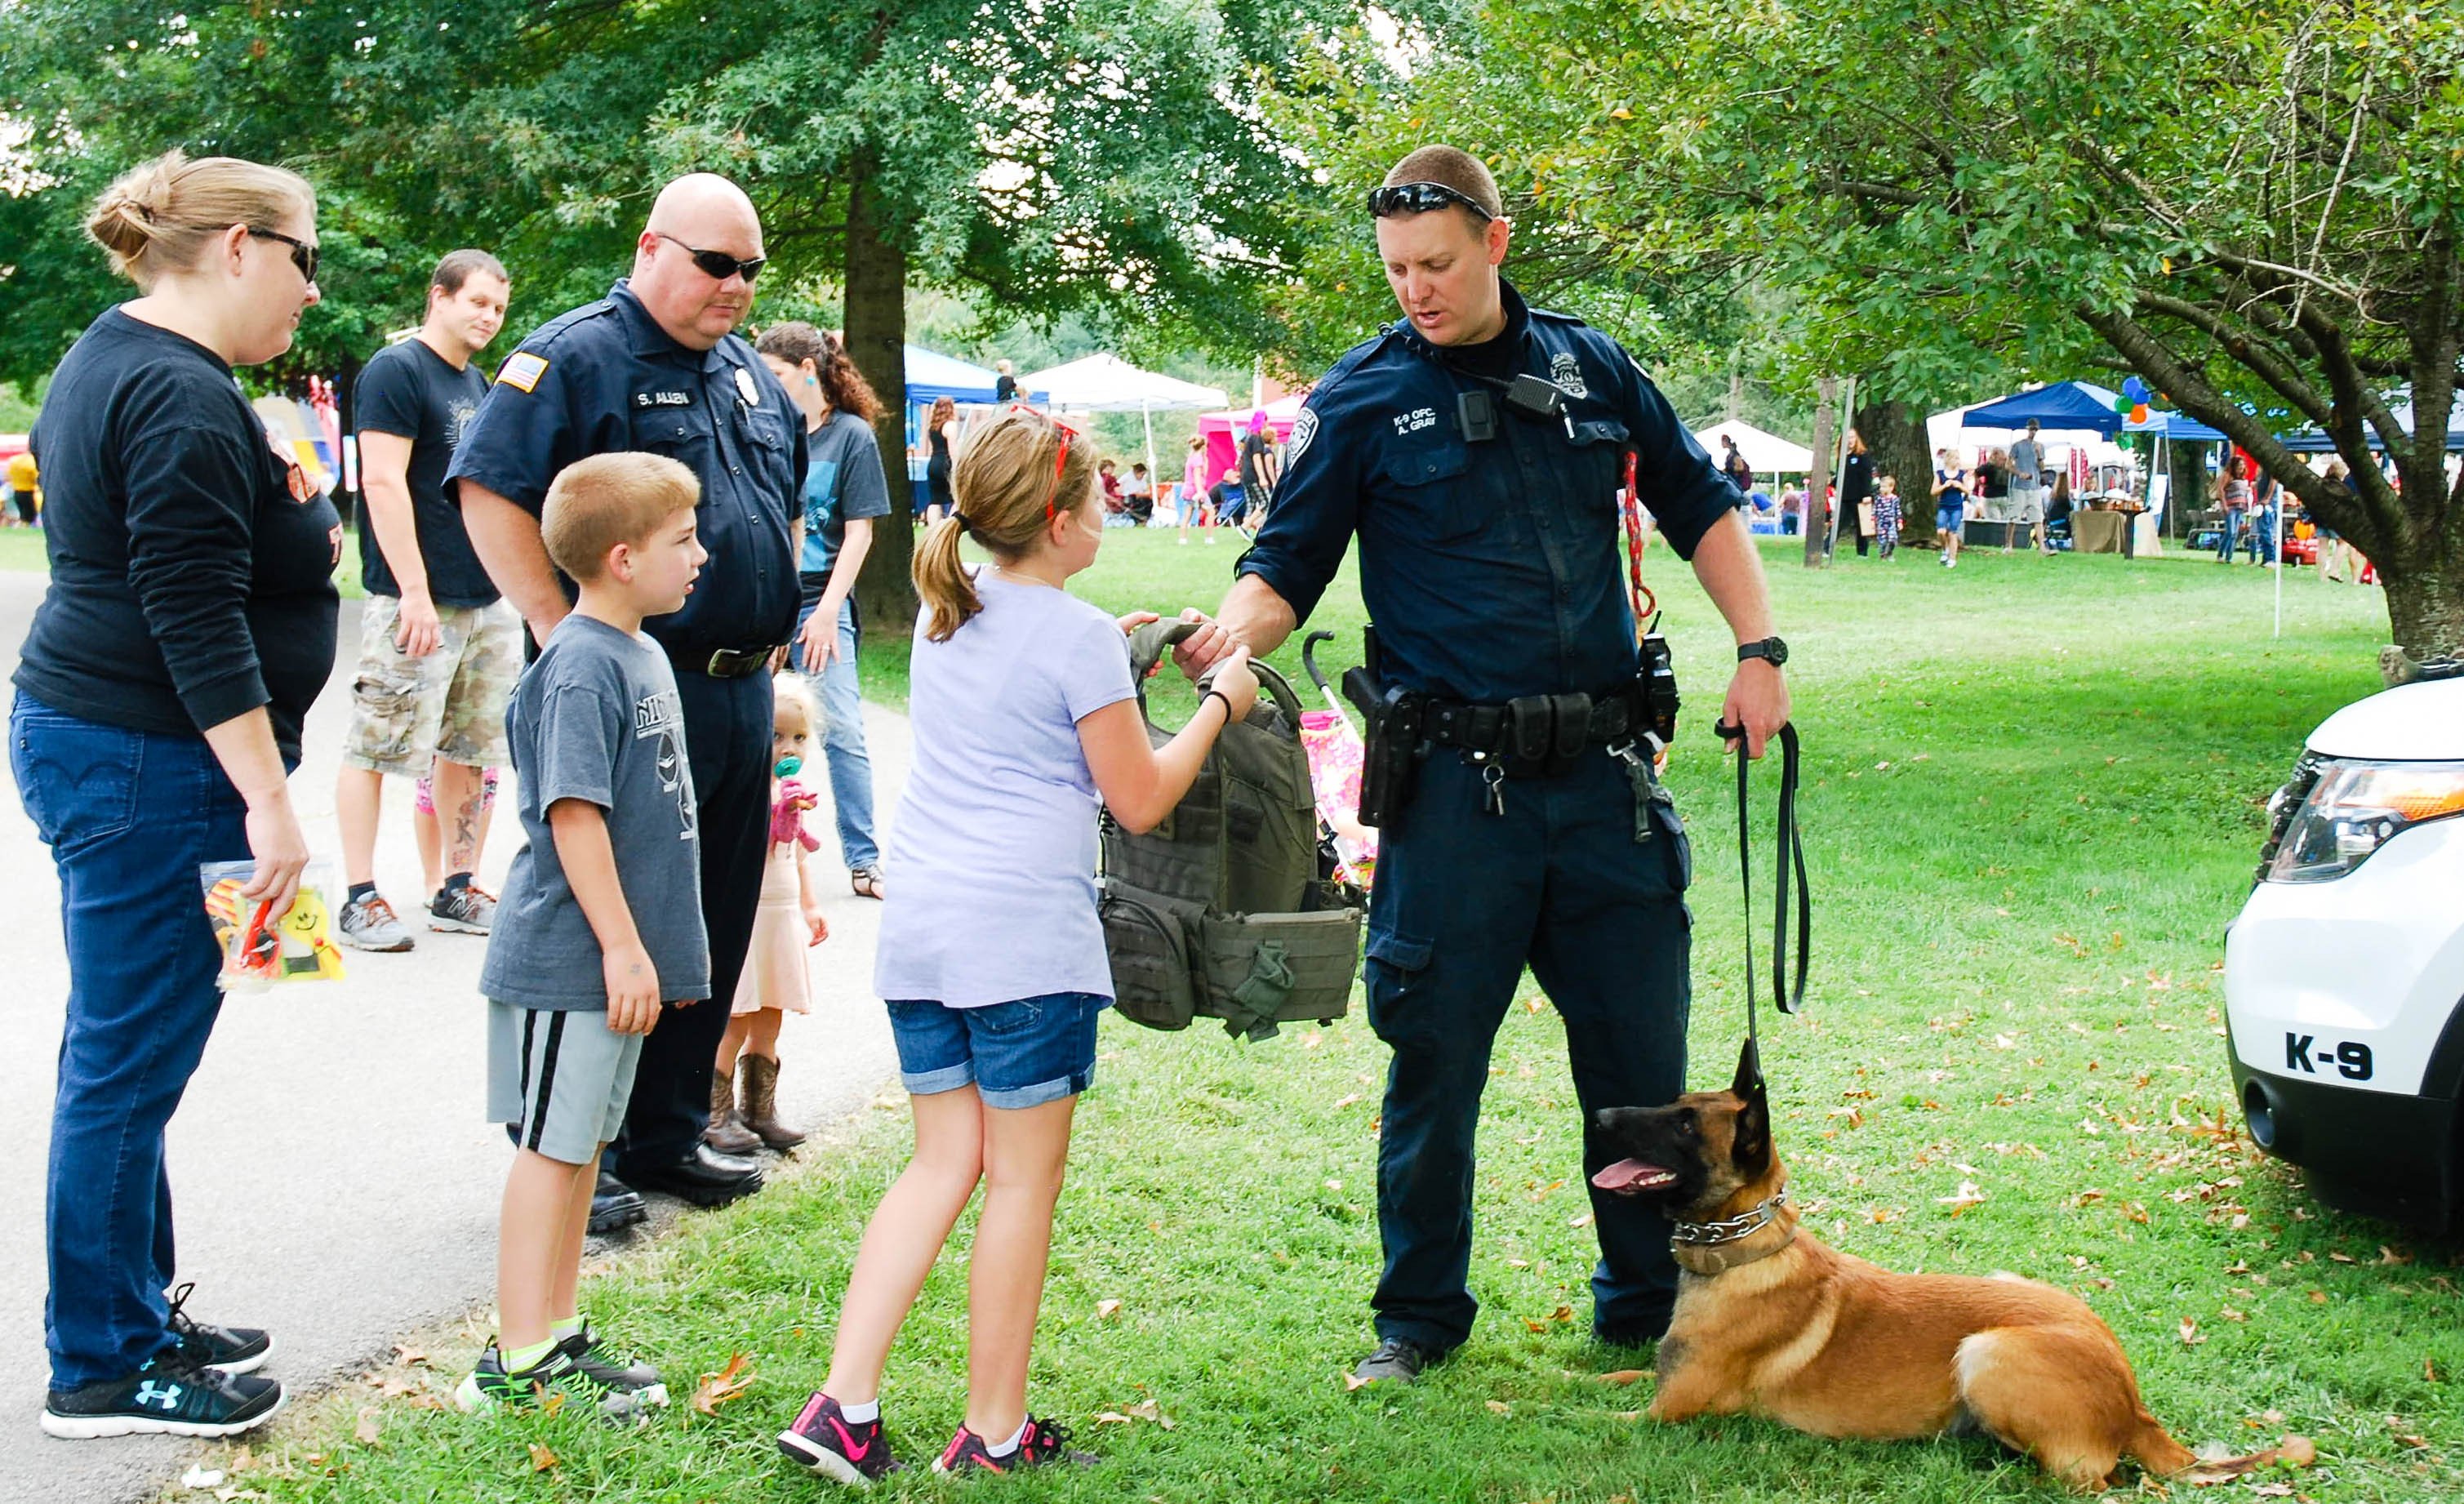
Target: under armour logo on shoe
{"points": [[167, 1396]]}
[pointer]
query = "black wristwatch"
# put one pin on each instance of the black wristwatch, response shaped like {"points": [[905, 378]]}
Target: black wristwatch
{"points": [[1771, 650]]}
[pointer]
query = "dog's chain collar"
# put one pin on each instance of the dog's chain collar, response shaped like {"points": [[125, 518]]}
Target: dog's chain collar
{"points": [[1712, 1234]]}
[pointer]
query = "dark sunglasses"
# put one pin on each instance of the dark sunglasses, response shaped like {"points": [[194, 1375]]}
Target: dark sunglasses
{"points": [[1419, 198], [718, 265], [303, 256]]}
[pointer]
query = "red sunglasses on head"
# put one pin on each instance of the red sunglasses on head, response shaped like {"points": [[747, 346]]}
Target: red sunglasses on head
{"points": [[1059, 456]]}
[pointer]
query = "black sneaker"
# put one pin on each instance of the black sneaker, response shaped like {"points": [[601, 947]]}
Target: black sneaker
{"points": [[1044, 1444], [232, 1349], [823, 1441], [462, 911], [1396, 1359], [493, 1386], [615, 1205], [612, 1371], [169, 1396]]}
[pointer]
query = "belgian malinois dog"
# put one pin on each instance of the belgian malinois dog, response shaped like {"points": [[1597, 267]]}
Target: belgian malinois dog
{"points": [[1770, 1321]]}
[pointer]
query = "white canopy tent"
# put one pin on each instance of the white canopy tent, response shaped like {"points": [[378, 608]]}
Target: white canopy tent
{"points": [[1767, 453], [1110, 384]]}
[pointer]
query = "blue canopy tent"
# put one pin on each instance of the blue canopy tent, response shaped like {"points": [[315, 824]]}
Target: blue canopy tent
{"points": [[2062, 405], [932, 375], [2179, 427], [2310, 441]]}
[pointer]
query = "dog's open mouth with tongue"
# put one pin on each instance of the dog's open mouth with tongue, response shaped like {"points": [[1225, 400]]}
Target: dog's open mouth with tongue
{"points": [[1633, 1178]]}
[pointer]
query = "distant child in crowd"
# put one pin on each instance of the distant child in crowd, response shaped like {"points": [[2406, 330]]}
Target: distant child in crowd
{"points": [[600, 923], [1193, 491], [1949, 505], [775, 982], [991, 954], [1886, 516]]}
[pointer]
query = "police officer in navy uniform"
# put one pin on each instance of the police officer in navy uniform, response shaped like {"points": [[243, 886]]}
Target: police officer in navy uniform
{"points": [[1489, 561], [655, 365]]}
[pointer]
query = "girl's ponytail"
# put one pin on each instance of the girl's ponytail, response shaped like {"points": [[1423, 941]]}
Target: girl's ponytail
{"points": [[1017, 471], [942, 580]]}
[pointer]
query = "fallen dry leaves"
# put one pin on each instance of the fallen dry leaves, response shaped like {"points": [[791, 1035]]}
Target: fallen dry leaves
{"points": [[541, 1459], [728, 1384], [1103, 1309], [1622, 1376], [370, 1427], [1130, 1414]]}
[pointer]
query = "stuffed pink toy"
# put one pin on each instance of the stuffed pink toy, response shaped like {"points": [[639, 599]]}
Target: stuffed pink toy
{"points": [[787, 815]]}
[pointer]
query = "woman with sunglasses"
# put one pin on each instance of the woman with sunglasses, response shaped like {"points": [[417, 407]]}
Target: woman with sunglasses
{"points": [[189, 624]]}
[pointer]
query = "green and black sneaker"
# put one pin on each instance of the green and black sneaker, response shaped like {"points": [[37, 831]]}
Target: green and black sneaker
{"points": [[610, 1370], [491, 1386]]}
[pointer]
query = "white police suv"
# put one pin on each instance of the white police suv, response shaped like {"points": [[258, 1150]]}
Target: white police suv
{"points": [[2344, 972]]}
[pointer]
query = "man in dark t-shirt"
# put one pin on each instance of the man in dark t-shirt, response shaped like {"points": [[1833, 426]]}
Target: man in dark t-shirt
{"points": [[1259, 470], [439, 650]]}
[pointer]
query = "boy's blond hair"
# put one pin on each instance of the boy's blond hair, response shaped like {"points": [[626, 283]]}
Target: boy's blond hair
{"points": [[606, 499]]}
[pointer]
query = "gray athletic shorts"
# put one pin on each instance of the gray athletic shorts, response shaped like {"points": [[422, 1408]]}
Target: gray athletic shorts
{"points": [[560, 1076], [2028, 504]]}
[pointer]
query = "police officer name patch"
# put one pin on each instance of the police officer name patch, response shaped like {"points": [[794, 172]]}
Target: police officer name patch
{"points": [[1304, 430], [522, 371], [663, 399]]}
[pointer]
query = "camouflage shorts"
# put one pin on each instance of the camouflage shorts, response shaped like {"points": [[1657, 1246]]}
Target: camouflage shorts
{"points": [[406, 712]]}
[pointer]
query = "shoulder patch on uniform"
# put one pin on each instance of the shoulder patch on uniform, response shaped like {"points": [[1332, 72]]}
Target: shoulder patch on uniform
{"points": [[522, 371], [1304, 430]]}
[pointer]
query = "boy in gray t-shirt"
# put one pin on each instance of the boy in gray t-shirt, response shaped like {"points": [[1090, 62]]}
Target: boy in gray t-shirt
{"points": [[601, 921]]}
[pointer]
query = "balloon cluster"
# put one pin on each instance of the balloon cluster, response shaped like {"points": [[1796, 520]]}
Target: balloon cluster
{"points": [[2132, 403]]}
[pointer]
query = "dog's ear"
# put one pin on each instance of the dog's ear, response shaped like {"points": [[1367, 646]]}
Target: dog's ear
{"points": [[1749, 1072], [1752, 1146]]}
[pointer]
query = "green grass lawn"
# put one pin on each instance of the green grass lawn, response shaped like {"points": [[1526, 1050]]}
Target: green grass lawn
{"points": [[2033, 805]]}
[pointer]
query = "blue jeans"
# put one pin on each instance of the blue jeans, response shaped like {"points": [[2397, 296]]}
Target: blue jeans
{"points": [[1016, 1054], [842, 740], [129, 816]]}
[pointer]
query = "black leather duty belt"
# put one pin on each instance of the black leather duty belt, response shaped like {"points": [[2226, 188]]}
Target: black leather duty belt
{"points": [[723, 663], [1535, 735]]}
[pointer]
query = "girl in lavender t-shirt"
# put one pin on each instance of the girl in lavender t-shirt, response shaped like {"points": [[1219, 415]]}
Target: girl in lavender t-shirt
{"points": [[991, 954]]}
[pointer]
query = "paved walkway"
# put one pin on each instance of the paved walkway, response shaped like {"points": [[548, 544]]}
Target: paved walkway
{"points": [[335, 1182]]}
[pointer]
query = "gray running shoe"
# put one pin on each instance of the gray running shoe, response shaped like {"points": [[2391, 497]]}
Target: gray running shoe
{"points": [[369, 924], [462, 911]]}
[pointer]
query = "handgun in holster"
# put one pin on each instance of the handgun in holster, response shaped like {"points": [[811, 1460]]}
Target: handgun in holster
{"points": [[1391, 727]]}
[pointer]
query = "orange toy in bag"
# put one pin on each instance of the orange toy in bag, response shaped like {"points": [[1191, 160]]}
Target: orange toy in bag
{"points": [[261, 948]]}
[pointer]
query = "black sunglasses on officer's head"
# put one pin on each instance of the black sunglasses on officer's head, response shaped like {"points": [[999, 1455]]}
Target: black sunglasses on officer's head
{"points": [[718, 265], [303, 256], [1419, 198]]}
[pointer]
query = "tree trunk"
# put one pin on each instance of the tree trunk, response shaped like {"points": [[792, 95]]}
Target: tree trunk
{"points": [[876, 340], [2188, 488], [2426, 611], [1826, 454], [1896, 441]]}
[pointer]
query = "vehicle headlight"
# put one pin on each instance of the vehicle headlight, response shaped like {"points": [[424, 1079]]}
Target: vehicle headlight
{"points": [[2355, 807]]}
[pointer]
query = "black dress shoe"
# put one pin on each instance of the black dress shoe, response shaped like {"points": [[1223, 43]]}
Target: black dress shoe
{"points": [[1397, 1360], [703, 1177], [615, 1205]]}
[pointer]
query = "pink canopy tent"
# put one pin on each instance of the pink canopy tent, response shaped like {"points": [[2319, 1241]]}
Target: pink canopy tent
{"points": [[1222, 431]]}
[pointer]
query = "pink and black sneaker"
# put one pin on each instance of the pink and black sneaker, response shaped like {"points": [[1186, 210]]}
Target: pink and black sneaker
{"points": [[1044, 1444], [825, 1442]]}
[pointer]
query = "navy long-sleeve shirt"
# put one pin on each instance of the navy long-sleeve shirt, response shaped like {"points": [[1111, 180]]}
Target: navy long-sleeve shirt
{"points": [[1491, 568], [188, 584]]}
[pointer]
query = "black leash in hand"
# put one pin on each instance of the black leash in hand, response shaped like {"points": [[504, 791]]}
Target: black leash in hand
{"points": [[1787, 996]]}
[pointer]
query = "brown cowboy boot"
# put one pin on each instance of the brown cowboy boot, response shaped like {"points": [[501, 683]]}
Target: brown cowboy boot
{"points": [[725, 1134], [761, 1102]]}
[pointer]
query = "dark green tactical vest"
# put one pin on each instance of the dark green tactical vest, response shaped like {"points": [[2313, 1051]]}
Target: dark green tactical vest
{"points": [[1219, 912]]}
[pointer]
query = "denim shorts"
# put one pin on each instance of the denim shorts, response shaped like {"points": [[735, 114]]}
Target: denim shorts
{"points": [[1021, 1053], [1948, 518]]}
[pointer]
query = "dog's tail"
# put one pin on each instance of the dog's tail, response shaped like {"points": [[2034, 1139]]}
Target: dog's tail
{"points": [[2157, 1452]]}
